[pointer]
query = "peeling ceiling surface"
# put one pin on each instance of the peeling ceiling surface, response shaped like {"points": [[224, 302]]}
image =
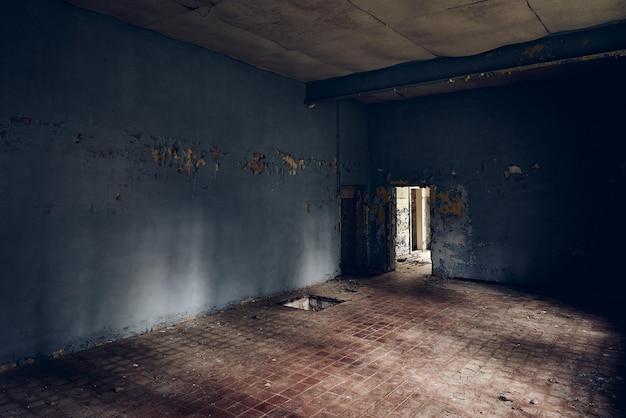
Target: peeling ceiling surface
{"points": [[316, 40]]}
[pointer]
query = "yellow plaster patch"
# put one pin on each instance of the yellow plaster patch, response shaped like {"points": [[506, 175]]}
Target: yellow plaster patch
{"points": [[158, 156], [186, 162], [289, 160], [449, 206], [512, 169], [257, 165], [188, 166], [215, 153]]}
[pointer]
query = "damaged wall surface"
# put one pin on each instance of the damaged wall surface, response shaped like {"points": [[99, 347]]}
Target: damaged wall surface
{"points": [[526, 177], [145, 180]]}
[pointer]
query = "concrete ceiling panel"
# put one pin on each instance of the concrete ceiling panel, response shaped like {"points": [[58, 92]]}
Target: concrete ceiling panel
{"points": [[299, 66], [382, 47], [295, 24], [139, 12], [407, 9], [201, 28], [567, 15], [475, 28]]}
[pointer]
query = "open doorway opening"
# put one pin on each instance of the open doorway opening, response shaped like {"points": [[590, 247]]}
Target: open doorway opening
{"points": [[412, 227]]}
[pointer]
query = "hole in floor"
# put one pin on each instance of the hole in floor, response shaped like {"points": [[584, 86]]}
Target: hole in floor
{"points": [[311, 303]]}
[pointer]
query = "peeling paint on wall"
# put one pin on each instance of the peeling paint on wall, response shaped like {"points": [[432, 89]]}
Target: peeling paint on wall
{"points": [[512, 169], [452, 232], [256, 164], [186, 163], [449, 204], [188, 160], [215, 153], [290, 161], [261, 163], [192, 162]]}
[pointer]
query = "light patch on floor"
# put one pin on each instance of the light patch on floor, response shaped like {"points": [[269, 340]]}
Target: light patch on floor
{"points": [[311, 303]]}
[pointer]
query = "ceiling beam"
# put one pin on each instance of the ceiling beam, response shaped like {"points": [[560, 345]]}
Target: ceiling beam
{"points": [[557, 50]]}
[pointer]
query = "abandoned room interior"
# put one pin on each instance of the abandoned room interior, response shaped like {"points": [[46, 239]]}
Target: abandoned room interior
{"points": [[312, 209]]}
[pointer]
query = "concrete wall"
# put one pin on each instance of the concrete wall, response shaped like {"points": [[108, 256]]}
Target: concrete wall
{"points": [[528, 178], [145, 180], [353, 151]]}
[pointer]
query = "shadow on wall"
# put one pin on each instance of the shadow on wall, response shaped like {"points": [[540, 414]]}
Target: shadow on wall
{"points": [[110, 280], [124, 278]]}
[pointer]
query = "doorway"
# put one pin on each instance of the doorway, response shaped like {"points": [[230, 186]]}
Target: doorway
{"points": [[412, 225], [353, 230]]}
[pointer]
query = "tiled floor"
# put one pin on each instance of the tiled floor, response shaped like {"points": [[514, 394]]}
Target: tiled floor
{"points": [[402, 345]]}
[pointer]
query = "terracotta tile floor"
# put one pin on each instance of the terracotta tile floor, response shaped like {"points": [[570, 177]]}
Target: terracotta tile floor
{"points": [[404, 344]]}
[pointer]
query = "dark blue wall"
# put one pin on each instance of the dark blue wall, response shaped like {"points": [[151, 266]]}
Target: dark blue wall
{"points": [[528, 177], [130, 192]]}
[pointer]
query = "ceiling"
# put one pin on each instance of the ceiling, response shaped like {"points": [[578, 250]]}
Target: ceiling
{"points": [[351, 48]]}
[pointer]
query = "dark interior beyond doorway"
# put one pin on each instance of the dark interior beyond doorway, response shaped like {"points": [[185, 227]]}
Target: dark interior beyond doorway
{"points": [[353, 230]]}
